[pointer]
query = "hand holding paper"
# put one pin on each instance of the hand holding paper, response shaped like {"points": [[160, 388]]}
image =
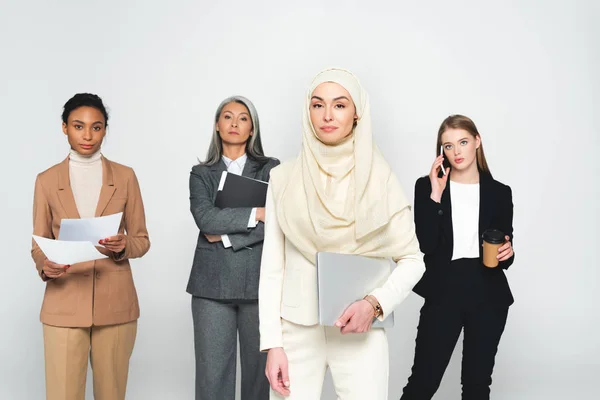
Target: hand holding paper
{"points": [[115, 243], [67, 253], [77, 239], [90, 229], [53, 270]]}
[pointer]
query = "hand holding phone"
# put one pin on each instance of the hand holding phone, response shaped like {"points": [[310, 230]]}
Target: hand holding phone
{"points": [[442, 154], [438, 182]]}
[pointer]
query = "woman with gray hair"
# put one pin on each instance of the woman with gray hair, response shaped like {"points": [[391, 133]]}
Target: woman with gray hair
{"points": [[224, 277]]}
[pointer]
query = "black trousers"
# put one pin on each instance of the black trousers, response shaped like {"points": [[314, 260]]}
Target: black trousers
{"points": [[440, 325]]}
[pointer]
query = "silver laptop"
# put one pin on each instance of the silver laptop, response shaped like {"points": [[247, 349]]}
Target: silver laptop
{"points": [[345, 278]]}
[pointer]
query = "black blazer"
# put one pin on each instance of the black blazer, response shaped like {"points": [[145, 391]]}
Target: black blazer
{"points": [[219, 272], [433, 222]]}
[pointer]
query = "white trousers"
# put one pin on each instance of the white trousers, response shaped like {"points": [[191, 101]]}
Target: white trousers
{"points": [[359, 362]]}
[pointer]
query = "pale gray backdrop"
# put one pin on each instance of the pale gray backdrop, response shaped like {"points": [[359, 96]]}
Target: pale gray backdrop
{"points": [[526, 71]]}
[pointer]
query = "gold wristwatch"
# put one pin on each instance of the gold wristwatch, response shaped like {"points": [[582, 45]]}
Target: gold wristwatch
{"points": [[375, 304]]}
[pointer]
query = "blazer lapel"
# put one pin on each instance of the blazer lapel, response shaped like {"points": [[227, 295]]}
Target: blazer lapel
{"points": [[447, 227], [65, 194], [218, 169], [485, 203], [108, 187], [250, 168]]}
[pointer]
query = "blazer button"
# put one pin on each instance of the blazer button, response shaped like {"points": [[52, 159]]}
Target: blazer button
{"points": [[97, 274], [440, 212]]}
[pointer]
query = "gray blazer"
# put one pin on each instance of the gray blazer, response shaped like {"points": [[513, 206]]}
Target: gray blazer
{"points": [[217, 272]]}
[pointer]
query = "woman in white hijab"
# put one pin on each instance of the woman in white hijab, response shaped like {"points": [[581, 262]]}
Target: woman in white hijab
{"points": [[339, 195]]}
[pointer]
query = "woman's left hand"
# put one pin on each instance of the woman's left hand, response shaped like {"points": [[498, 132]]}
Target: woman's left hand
{"points": [[357, 318], [212, 238], [116, 244], [505, 251]]}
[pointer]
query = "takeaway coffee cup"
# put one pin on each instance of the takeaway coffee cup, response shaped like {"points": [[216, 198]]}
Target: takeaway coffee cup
{"points": [[493, 239]]}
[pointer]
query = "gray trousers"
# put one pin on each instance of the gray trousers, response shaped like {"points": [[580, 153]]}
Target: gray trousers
{"points": [[216, 325]]}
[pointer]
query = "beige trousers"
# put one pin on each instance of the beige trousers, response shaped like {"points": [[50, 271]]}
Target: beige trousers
{"points": [[66, 353]]}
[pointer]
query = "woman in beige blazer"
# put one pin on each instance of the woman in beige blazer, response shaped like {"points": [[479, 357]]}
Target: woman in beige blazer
{"points": [[89, 308], [339, 195]]}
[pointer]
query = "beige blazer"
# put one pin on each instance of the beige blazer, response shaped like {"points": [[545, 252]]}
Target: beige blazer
{"points": [[98, 292]]}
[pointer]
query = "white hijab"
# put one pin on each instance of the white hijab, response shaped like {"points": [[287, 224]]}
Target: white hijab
{"points": [[369, 222]]}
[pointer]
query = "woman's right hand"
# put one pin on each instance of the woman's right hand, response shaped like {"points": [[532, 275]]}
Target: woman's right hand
{"points": [[438, 184], [277, 371], [53, 270]]}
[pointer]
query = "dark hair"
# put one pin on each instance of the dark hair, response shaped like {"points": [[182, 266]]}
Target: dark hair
{"points": [[465, 123], [84, 100]]}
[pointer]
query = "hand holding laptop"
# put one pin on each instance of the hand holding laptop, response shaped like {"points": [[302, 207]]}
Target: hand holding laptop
{"points": [[357, 318], [343, 280]]}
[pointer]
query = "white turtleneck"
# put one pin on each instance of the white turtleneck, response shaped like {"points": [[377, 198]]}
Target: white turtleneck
{"points": [[85, 173]]}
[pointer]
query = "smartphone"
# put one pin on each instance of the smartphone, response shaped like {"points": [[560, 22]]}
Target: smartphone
{"points": [[442, 153]]}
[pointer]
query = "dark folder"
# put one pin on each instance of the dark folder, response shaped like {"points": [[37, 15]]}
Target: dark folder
{"points": [[240, 191]]}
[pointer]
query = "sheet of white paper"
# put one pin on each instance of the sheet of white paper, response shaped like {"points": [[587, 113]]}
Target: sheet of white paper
{"points": [[62, 252], [89, 229]]}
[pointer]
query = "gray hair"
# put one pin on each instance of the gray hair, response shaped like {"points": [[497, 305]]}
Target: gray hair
{"points": [[254, 149]]}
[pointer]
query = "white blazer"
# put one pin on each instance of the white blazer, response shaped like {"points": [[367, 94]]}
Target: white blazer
{"points": [[288, 283]]}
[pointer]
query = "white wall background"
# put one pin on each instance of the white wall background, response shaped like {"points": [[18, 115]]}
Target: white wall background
{"points": [[526, 71]]}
